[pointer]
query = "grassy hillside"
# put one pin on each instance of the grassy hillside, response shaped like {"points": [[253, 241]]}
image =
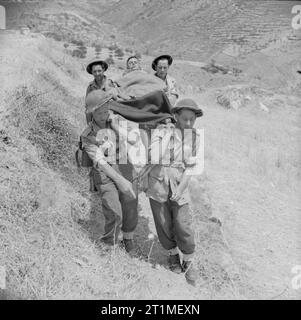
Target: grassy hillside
{"points": [[67, 21], [50, 222], [197, 29]]}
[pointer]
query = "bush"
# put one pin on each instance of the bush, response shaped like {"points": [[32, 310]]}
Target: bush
{"points": [[110, 60], [97, 47], [113, 47], [82, 49], [51, 134], [77, 42], [54, 36], [78, 54], [119, 52], [138, 55]]}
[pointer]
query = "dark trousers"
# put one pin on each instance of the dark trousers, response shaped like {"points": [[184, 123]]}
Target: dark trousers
{"points": [[118, 210], [173, 225]]}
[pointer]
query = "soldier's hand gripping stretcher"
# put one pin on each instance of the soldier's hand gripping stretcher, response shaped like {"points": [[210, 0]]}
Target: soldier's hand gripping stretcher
{"points": [[98, 157]]}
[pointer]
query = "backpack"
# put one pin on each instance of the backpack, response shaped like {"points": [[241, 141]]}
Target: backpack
{"points": [[81, 157]]}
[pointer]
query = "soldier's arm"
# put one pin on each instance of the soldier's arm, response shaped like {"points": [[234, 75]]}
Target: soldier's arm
{"points": [[88, 116], [123, 185], [160, 141], [192, 166], [181, 187], [173, 94], [89, 89], [96, 154]]}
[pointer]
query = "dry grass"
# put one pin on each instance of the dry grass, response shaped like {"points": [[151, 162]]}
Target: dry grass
{"points": [[252, 174], [48, 232], [49, 227]]}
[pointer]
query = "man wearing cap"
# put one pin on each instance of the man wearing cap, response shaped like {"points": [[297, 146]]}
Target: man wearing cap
{"points": [[113, 182], [161, 65], [97, 68], [167, 187]]}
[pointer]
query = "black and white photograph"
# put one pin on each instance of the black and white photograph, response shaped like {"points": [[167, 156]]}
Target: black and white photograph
{"points": [[150, 150]]}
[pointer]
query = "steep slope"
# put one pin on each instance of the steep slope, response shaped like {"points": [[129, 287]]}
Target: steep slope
{"points": [[49, 221]]}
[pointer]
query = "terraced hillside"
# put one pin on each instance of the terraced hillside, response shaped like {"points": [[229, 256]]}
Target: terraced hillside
{"points": [[189, 29], [49, 223], [200, 27]]}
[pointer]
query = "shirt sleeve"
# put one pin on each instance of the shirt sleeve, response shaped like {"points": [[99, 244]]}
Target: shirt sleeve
{"points": [[155, 147], [111, 87], [89, 89]]}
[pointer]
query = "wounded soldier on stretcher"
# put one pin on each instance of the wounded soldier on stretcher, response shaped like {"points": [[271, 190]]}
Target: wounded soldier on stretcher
{"points": [[128, 134], [120, 130], [121, 125]]}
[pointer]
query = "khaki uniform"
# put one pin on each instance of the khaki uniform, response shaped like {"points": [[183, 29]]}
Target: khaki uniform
{"points": [[171, 86], [106, 85], [119, 212], [172, 219]]}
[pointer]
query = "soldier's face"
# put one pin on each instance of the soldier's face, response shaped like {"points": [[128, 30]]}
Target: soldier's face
{"points": [[162, 68], [133, 64], [186, 118], [97, 71]]}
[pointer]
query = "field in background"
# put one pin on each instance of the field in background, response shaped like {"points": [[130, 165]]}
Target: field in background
{"points": [[50, 222]]}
